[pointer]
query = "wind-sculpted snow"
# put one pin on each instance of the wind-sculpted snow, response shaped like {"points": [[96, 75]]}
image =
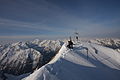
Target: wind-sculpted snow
{"points": [[24, 57], [84, 62]]}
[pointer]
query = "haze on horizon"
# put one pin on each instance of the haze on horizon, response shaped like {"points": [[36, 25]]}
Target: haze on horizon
{"points": [[27, 19]]}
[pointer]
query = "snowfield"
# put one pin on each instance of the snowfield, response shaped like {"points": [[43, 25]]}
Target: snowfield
{"points": [[86, 61]]}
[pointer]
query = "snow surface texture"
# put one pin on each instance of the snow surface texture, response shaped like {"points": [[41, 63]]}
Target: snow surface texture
{"points": [[111, 43], [24, 57], [87, 61]]}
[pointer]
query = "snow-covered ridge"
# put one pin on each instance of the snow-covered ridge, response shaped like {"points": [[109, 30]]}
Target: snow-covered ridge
{"points": [[39, 73], [101, 63], [77, 64], [24, 57]]}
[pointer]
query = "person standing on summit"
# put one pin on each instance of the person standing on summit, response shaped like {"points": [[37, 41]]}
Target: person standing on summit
{"points": [[70, 44]]}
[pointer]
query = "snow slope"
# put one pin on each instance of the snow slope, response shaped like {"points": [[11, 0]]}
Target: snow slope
{"points": [[111, 43], [101, 63]]}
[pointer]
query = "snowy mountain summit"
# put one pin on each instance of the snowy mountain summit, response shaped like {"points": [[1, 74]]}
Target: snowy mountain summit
{"points": [[86, 61]]}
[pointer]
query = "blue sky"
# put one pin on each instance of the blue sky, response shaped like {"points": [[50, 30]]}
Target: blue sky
{"points": [[59, 18]]}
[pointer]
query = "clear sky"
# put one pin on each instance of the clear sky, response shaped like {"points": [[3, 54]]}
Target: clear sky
{"points": [[59, 18]]}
